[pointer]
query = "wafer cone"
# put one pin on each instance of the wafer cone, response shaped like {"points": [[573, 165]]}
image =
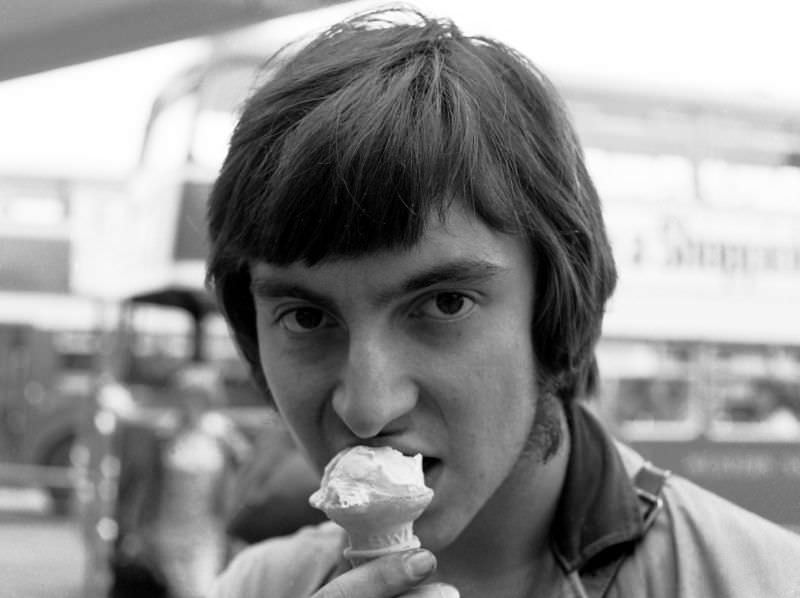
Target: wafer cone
{"points": [[377, 515]]}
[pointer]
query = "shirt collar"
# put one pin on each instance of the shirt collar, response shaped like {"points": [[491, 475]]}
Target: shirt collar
{"points": [[598, 509]]}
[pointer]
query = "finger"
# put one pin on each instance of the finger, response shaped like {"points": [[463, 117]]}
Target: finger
{"points": [[386, 577], [432, 590]]}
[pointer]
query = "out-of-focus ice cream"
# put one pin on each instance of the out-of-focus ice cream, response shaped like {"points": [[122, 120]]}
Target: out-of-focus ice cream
{"points": [[375, 494]]}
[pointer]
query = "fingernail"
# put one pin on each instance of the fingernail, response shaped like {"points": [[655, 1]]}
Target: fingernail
{"points": [[446, 591], [420, 563]]}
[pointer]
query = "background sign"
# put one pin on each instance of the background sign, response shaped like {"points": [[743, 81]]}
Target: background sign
{"points": [[698, 258]]}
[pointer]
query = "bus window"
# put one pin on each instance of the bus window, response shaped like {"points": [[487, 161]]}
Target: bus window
{"points": [[740, 403], [76, 350], [756, 394], [646, 388]]}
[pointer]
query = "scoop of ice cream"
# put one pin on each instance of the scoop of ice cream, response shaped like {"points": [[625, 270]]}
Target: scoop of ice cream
{"points": [[375, 494], [361, 475]]}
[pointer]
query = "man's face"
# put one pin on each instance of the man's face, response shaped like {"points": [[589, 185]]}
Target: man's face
{"points": [[427, 350]]}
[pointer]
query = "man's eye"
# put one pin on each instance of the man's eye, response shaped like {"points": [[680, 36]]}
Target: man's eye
{"points": [[447, 306], [304, 319]]}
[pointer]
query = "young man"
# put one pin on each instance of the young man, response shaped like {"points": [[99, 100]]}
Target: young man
{"points": [[411, 253]]}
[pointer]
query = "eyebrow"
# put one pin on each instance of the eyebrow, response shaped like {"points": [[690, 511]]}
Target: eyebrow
{"points": [[266, 288], [459, 271]]}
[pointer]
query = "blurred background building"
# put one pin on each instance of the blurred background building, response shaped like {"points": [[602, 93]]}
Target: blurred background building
{"points": [[114, 121]]}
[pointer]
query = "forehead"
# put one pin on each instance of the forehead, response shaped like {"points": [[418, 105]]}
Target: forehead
{"points": [[457, 241]]}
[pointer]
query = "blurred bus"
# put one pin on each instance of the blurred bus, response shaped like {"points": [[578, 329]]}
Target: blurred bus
{"points": [[73, 250], [48, 335], [700, 355]]}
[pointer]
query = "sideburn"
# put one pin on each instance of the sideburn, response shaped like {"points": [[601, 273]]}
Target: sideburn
{"points": [[546, 434]]}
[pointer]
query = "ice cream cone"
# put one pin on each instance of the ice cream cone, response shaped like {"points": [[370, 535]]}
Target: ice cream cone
{"points": [[375, 495]]}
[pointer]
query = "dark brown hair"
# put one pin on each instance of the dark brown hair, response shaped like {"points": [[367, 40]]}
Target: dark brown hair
{"points": [[376, 126]]}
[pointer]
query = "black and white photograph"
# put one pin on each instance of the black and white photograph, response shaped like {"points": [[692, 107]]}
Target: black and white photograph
{"points": [[399, 299]]}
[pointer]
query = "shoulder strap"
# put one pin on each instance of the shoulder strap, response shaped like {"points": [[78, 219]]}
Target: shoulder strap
{"points": [[648, 483]]}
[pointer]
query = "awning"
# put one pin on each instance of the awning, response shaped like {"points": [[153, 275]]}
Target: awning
{"points": [[39, 35]]}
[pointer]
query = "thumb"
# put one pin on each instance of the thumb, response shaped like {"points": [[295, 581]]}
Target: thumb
{"points": [[385, 577]]}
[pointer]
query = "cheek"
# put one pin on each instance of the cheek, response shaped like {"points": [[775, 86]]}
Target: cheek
{"points": [[491, 388], [299, 388], [284, 380], [506, 378], [286, 386], [506, 356]]}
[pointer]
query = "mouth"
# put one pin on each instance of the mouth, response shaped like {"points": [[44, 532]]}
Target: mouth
{"points": [[431, 468]]}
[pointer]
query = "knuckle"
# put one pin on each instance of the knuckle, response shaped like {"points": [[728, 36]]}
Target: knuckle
{"points": [[387, 576]]}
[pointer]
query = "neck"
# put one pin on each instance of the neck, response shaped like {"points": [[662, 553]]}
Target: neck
{"points": [[506, 549]]}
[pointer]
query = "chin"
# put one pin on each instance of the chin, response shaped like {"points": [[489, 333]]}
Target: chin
{"points": [[436, 533]]}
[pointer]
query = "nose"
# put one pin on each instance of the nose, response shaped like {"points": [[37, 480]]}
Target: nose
{"points": [[376, 387]]}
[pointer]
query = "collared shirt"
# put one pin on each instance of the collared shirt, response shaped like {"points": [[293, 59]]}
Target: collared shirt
{"points": [[700, 545], [599, 510]]}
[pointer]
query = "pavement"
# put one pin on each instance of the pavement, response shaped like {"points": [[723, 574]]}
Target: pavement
{"points": [[41, 556]]}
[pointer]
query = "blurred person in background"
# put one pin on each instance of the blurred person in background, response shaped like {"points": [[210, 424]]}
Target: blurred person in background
{"points": [[174, 491], [410, 252], [198, 460]]}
